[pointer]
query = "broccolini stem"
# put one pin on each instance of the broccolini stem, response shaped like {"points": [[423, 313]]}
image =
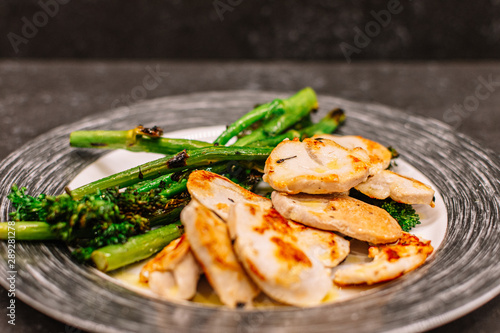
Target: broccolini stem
{"points": [[149, 185], [175, 189], [166, 180], [260, 112], [138, 247], [135, 140], [326, 125], [169, 217], [296, 108], [187, 159], [26, 231]]}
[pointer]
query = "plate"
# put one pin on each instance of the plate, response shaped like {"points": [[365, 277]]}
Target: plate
{"points": [[462, 275]]}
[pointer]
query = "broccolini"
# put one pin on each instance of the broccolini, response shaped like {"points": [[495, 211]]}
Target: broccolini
{"points": [[96, 220]]}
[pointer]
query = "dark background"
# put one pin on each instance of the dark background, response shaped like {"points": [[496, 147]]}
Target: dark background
{"points": [[256, 29]]}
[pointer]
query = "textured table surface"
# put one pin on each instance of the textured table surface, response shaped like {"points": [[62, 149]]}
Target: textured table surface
{"points": [[36, 96]]}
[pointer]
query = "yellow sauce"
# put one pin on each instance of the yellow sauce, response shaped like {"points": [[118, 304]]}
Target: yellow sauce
{"points": [[205, 294], [130, 279], [332, 295]]}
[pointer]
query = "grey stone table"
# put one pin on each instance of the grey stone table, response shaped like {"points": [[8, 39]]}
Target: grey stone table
{"points": [[36, 96]]}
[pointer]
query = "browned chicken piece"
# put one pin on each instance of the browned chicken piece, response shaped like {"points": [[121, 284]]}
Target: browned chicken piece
{"points": [[211, 245], [315, 167], [341, 213], [389, 262], [399, 188], [218, 193], [173, 273], [380, 156], [384, 183], [268, 247], [326, 246]]}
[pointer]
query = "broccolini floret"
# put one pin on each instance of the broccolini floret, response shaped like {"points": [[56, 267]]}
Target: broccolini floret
{"points": [[405, 214]]}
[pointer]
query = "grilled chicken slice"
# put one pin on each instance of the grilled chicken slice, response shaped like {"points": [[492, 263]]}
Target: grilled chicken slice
{"points": [[389, 262], [384, 183], [268, 247], [400, 188], [210, 243], [218, 193], [326, 246], [341, 213], [173, 273], [315, 167], [380, 156]]}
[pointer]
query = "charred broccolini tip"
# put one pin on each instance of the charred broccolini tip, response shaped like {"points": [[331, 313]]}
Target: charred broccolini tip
{"points": [[394, 156]]}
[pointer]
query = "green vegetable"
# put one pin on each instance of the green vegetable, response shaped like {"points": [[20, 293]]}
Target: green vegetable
{"points": [[296, 108], [405, 214], [108, 216], [260, 112], [137, 139], [136, 248], [327, 125], [275, 140], [394, 152]]}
